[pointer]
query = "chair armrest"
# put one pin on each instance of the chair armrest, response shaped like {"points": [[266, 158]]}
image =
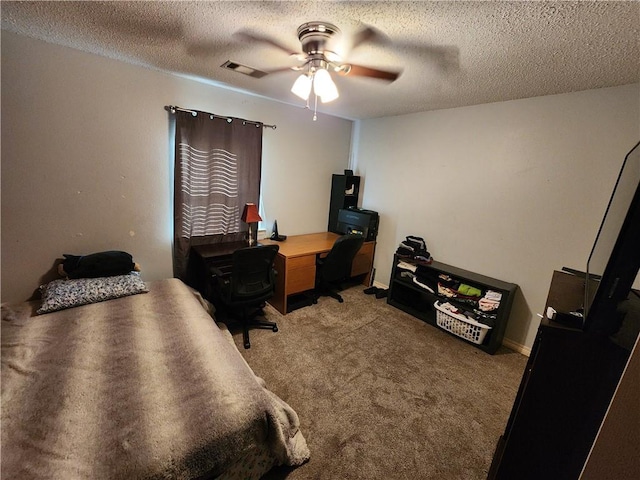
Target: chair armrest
{"points": [[219, 276], [216, 272]]}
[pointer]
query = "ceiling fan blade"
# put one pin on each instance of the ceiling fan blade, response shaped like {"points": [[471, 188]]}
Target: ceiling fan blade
{"points": [[445, 57], [360, 71], [448, 58], [253, 37], [369, 35], [206, 48]]}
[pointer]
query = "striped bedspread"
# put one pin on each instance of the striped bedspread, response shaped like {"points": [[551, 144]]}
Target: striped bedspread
{"points": [[141, 387]]}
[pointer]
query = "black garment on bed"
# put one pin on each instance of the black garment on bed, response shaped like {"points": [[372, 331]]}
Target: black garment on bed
{"points": [[102, 264]]}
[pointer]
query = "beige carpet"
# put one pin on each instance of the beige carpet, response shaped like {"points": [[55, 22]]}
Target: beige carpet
{"points": [[383, 395]]}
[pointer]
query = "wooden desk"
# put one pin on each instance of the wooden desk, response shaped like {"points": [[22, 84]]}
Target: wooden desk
{"points": [[296, 264]]}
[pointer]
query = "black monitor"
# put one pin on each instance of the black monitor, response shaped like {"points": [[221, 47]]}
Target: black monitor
{"points": [[612, 268]]}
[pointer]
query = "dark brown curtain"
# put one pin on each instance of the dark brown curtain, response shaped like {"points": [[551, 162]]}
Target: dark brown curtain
{"points": [[217, 170]]}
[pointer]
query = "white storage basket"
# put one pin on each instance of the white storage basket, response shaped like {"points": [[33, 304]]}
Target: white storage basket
{"points": [[460, 325]]}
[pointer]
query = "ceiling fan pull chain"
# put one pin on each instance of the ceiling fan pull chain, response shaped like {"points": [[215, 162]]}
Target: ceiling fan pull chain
{"points": [[315, 108]]}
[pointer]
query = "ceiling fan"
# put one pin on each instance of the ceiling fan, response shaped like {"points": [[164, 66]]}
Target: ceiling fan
{"points": [[318, 58], [320, 55], [316, 54]]}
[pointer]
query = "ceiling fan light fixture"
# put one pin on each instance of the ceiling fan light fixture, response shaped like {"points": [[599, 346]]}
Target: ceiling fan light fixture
{"points": [[324, 87], [302, 86]]}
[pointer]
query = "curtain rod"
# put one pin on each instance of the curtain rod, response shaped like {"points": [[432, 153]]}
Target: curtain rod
{"points": [[172, 109]]}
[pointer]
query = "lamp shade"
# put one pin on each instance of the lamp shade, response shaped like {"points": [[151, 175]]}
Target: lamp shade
{"points": [[324, 87], [250, 213], [302, 86]]}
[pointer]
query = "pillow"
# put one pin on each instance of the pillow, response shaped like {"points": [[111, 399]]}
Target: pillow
{"points": [[61, 294]]}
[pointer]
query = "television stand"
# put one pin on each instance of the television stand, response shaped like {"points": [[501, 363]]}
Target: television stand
{"points": [[563, 396]]}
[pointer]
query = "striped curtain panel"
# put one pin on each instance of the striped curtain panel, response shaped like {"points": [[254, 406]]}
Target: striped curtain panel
{"points": [[217, 170]]}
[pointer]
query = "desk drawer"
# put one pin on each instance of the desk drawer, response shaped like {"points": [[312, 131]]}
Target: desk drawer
{"points": [[363, 261], [301, 274]]}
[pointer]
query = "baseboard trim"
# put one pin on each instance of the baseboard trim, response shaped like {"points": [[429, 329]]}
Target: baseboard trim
{"points": [[517, 347]]}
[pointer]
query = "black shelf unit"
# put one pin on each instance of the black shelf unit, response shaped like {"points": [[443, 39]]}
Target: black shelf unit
{"points": [[419, 302], [344, 194]]}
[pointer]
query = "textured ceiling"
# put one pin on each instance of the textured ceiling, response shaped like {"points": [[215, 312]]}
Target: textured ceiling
{"points": [[505, 50]]}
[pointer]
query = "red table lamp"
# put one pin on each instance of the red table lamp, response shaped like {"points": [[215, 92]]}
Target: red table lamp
{"points": [[251, 216]]}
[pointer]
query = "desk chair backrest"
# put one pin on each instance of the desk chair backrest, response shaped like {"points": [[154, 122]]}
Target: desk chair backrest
{"points": [[336, 266], [253, 276]]}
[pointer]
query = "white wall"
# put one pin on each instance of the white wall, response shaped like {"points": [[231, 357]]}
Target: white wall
{"points": [[512, 190], [87, 166]]}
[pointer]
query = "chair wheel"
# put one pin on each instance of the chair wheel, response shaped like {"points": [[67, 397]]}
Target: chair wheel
{"points": [[341, 300], [247, 345], [275, 328]]}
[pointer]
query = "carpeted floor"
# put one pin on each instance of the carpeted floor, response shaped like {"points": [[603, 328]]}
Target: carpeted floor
{"points": [[383, 395]]}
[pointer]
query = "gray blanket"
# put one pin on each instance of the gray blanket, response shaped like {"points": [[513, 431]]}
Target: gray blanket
{"points": [[140, 387]]}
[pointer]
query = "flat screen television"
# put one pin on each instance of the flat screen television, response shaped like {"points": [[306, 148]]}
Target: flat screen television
{"points": [[612, 300]]}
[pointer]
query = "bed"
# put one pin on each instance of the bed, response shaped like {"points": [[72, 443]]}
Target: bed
{"points": [[145, 386]]}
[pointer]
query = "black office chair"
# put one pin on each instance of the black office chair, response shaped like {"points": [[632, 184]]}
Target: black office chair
{"points": [[335, 268], [250, 284]]}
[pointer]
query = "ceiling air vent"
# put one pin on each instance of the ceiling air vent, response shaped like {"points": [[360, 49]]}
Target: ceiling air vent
{"points": [[236, 67]]}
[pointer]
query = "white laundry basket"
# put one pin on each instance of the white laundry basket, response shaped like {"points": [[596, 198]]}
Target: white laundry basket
{"points": [[460, 325]]}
